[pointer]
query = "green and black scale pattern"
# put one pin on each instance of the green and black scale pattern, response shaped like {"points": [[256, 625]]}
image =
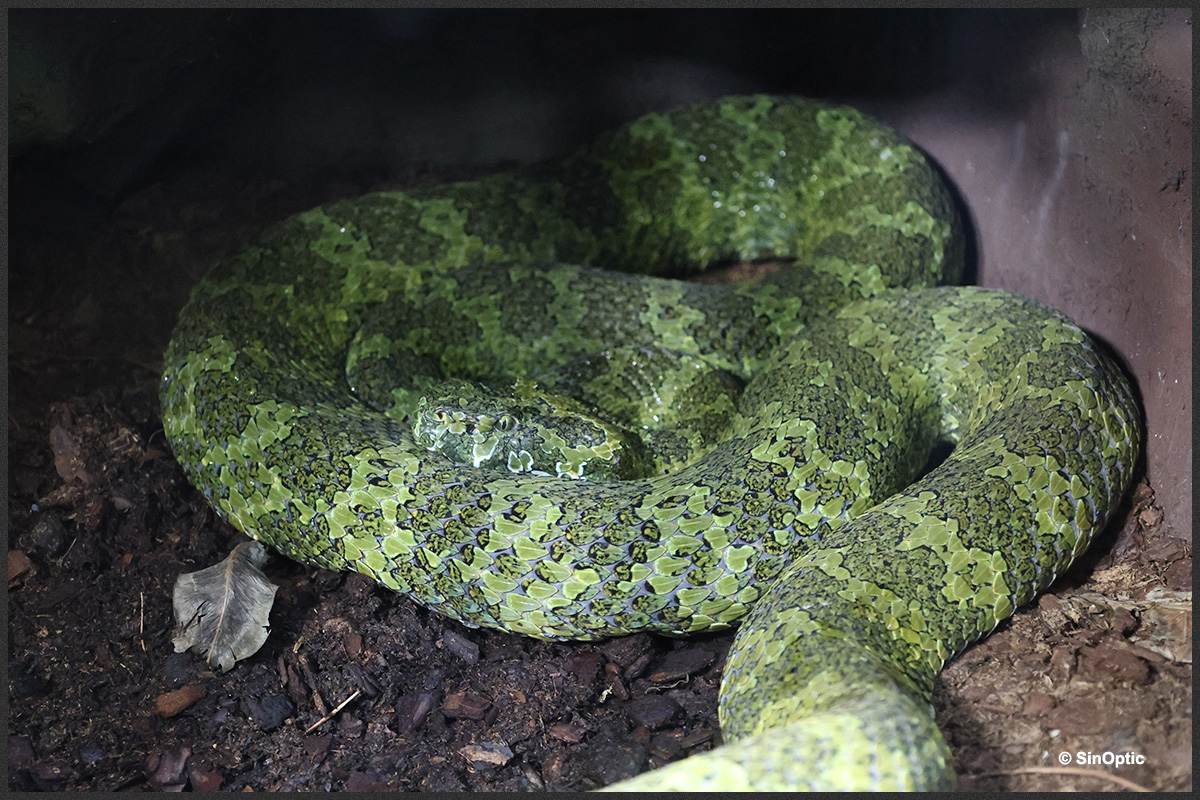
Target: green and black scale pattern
{"points": [[320, 388]]}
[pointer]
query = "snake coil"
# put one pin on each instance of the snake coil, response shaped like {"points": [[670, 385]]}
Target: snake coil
{"points": [[331, 390]]}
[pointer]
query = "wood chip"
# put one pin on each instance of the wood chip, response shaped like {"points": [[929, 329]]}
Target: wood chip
{"points": [[172, 703], [565, 732], [461, 646], [465, 705], [489, 753], [19, 566]]}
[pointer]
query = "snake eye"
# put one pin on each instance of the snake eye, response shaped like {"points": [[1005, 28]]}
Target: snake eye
{"points": [[507, 422]]}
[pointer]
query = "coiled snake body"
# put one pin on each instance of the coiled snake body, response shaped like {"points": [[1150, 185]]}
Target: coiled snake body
{"points": [[332, 390]]}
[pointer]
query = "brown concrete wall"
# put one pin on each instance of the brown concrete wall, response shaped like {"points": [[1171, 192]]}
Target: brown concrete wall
{"points": [[1081, 196]]}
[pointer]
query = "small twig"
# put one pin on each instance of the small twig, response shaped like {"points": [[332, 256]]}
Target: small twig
{"points": [[1082, 771], [331, 714], [142, 619], [70, 547]]}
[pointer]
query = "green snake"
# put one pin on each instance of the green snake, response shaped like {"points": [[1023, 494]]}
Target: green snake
{"points": [[458, 391]]}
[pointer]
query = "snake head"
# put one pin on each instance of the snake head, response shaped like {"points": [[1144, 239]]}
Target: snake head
{"points": [[520, 428]]}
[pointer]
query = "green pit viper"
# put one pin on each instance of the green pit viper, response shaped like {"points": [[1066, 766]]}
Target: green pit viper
{"points": [[459, 391]]}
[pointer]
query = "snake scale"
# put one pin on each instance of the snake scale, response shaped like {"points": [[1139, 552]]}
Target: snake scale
{"points": [[413, 385]]}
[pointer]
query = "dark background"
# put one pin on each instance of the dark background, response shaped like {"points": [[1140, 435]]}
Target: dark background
{"points": [[104, 102]]}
